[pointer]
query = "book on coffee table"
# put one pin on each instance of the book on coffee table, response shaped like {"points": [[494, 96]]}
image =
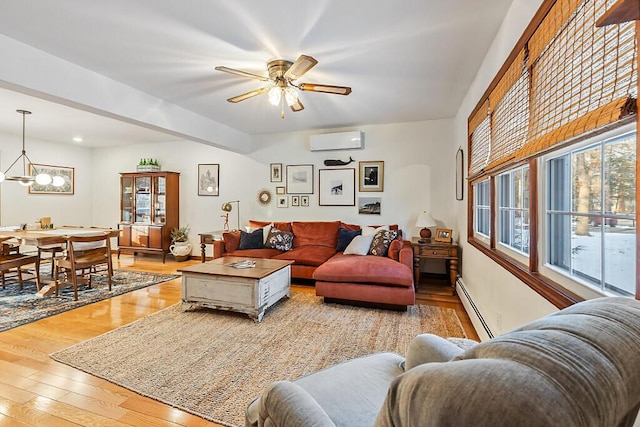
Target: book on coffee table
{"points": [[247, 263]]}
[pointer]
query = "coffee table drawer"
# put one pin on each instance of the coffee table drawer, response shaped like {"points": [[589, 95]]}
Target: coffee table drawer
{"points": [[219, 289]]}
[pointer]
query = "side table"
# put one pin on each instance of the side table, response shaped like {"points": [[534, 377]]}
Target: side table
{"points": [[430, 249], [207, 238]]}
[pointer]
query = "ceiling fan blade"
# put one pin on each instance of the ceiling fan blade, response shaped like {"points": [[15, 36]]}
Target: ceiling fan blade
{"points": [[242, 73], [303, 64], [297, 106], [338, 90], [248, 95]]}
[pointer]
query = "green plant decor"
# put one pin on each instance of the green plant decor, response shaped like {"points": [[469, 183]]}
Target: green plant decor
{"points": [[180, 234]]}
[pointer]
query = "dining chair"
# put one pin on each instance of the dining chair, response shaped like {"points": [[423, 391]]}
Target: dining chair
{"points": [[11, 258], [82, 253]]}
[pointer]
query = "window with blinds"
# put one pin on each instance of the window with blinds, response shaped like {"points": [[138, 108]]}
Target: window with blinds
{"points": [[571, 78]]}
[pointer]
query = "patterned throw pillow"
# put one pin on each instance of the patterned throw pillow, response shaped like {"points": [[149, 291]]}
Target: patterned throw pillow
{"points": [[381, 242], [280, 240]]}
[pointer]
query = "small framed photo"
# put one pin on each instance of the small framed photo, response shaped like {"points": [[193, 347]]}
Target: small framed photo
{"points": [[369, 205], [208, 179], [280, 190], [276, 172], [443, 235], [371, 176], [299, 179], [283, 201], [337, 187], [304, 201], [295, 200]]}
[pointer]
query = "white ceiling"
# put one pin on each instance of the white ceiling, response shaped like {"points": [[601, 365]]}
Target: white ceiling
{"points": [[407, 60]]}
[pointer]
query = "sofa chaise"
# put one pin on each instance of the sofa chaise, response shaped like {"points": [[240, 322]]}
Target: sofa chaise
{"points": [[577, 367], [317, 249]]}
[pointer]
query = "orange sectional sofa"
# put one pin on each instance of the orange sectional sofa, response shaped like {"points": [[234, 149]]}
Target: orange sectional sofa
{"points": [[338, 277]]}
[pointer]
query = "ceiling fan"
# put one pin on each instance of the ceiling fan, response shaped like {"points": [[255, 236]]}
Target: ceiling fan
{"points": [[282, 86]]}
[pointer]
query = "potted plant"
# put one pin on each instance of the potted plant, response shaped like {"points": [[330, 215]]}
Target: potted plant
{"points": [[181, 248]]}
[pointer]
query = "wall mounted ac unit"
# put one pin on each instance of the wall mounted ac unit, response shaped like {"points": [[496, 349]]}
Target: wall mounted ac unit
{"points": [[336, 141]]}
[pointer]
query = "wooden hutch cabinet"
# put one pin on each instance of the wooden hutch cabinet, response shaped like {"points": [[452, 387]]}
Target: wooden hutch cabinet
{"points": [[149, 210]]}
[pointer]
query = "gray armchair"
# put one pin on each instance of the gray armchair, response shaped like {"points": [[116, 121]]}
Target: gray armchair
{"points": [[577, 367]]}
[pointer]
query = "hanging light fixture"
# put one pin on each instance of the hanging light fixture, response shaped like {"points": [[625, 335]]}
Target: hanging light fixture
{"points": [[25, 179]]}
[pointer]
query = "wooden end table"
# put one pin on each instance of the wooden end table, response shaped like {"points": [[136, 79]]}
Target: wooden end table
{"points": [[207, 238], [245, 290], [430, 249]]}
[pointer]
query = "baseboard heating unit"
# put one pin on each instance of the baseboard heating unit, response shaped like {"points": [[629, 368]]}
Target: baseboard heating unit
{"points": [[472, 310]]}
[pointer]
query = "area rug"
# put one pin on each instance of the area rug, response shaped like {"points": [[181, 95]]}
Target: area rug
{"points": [[213, 363], [18, 307]]}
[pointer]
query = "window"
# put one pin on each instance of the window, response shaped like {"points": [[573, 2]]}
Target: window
{"points": [[482, 201], [590, 214], [513, 209]]}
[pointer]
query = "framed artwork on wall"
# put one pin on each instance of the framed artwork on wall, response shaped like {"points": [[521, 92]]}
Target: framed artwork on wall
{"points": [[304, 201], [208, 179], [371, 176], [369, 205], [299, 179], [276, 172], [280, 190], [295, 200], [283, 201], [337, 187], [64, 173]]}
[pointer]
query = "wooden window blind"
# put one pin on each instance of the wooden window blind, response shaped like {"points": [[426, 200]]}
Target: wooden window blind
{"points": [[570, 78]]}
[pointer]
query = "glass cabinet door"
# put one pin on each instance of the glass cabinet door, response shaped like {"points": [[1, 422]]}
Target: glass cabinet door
{"points": [[160, 200], [143, 199], [127, 199]]}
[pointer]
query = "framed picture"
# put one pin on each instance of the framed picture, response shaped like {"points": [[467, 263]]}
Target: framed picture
{"points": [[276, 172], [369, 205], [443, 235], [58, 173], [295, 200], [280, 190], [371, 176], [304, 201], [337, 187], [283, 201], [459, 174], [299, 179], [208, 179]]}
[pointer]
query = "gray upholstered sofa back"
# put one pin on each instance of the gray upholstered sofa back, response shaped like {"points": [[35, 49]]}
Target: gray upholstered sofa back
{"points": [[577, 367]]}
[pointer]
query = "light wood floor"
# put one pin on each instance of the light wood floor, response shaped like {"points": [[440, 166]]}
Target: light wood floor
{"points": [[37, 391]]}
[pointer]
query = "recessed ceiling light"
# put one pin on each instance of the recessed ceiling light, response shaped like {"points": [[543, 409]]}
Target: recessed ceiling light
{"points": [[77, 139]]}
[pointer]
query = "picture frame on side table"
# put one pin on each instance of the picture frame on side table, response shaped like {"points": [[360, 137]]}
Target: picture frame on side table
{"points": [[460, 174], [299, 179], [276, 172], [66, 173], [283, 201], [337, 187], [209, 179], [371, 176], [444, 235]]}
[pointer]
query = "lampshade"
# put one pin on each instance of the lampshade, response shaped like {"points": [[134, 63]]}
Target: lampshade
{"points": [[424, 221]]}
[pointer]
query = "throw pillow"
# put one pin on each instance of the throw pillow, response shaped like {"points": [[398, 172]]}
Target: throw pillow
{"points": [[280, 240], [251, 240], [371, 231], [265, 231], [381, 241], [359, 245], [345, 237]]}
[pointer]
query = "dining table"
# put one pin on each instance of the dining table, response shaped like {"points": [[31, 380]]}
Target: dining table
{"points": [[41, 237]]}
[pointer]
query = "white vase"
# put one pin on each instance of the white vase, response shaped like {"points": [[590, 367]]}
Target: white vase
{"points": [[180, 249]]}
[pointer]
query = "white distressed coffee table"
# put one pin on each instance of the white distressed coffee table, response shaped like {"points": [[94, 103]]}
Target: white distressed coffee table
{"points": [[245, 290]]}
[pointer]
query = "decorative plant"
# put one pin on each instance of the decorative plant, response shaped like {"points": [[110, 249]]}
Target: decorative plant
{"points": [[180, 234]]}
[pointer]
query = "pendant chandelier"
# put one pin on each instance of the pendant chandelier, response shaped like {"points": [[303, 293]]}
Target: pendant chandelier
{"points": [[25, 179]]}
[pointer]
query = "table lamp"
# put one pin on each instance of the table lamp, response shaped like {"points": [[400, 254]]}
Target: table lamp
{"points": [[226, 207], [424, 221]]}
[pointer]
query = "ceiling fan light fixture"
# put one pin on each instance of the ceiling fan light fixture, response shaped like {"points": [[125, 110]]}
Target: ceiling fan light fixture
{"points": [[290, 95], [275, 95]]}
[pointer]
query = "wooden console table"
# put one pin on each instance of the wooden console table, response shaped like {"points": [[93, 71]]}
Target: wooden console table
{"points": [[436, 250], [207, 238]]}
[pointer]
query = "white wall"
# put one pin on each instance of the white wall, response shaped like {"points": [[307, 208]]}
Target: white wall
{"points": [[418, 175], [504, 301], [18, 206]]}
